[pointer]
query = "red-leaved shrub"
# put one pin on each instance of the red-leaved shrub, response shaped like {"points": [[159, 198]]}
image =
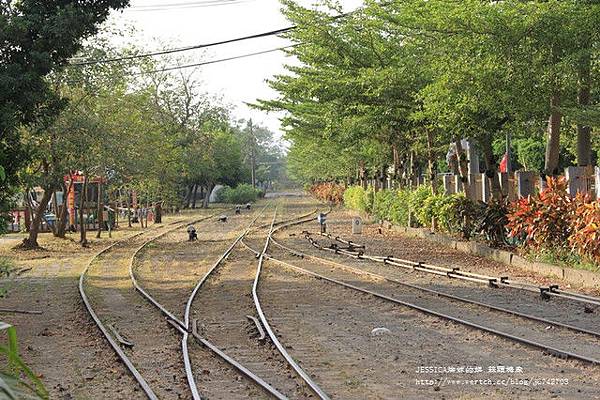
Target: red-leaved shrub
{"points": [[585, 238], [328, 191], [545, 220]]}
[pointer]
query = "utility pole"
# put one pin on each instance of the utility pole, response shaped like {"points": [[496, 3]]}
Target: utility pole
{"points": [[252, 154]]}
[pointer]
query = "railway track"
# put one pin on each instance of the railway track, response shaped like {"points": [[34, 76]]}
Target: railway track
{"points": [[266, 373], [233, 278], [184, 326], [432, 307], [222, 307], [357, 251], [108, 331]]}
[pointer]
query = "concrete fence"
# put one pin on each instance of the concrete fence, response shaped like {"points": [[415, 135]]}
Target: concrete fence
{"points": [[524, 183]]}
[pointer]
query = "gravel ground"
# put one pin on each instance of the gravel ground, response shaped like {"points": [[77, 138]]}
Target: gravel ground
{"points": [[62, 344], [325, 327], [582, 377]]}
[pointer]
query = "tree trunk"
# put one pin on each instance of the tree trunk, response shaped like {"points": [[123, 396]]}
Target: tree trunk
{"points": [[158, 213], [55, 209], [61, 223], [209, 189], [396, 159], [82, 200], [463, 168], [146, 213], [361, 174], [100, 210], [584, 145], [553, 143], [128, 208], [431, 162], [34, 228], [188, 196], [140, 214], [491, 172], [194, 193]]}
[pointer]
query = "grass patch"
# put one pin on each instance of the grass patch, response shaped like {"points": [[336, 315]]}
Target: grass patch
{"points": [[562, 258], [6, 266]]}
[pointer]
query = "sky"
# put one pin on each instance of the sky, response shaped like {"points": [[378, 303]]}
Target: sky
{"points": [[178, 23]]}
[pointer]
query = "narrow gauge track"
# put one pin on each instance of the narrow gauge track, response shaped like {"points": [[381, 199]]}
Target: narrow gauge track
{"points": [[111, 337], [590, 346], [355, 250], [186, 328], [435, 292], [222, 304]]}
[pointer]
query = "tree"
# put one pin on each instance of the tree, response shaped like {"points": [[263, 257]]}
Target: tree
{"points": [[415, 75], [36, 39]]}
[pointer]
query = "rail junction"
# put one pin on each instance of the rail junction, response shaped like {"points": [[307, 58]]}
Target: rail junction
{"points": [[262, 306]]}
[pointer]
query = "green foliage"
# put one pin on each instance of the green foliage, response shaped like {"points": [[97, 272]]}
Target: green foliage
{"points": [[241, 194], [17, 380], [6, 265], [37, 38], [453, 214], [491, 223], [416, 201], [354, 198], [390, 205], [369, 201]]}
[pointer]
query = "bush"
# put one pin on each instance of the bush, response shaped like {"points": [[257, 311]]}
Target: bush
{"points": [[383, 203], [328, 191], [585, 239], [416, 201], [354, 198], [243, 193], [491, 223], [369, 199], [543, 221]]}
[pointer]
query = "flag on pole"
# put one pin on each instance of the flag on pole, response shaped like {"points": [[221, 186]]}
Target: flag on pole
{"points": [[503, 163]]}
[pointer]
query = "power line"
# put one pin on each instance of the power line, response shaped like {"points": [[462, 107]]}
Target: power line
{"points": [[181, 49], [181, 6], [195, 47], [214, 61]]}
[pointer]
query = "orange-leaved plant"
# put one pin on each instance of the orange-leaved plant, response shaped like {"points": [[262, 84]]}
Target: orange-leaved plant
{"points": [[328, 191], [544, 220], [585, 238]]}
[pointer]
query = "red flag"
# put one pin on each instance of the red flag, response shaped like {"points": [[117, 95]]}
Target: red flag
{"points": [[503, 163]]}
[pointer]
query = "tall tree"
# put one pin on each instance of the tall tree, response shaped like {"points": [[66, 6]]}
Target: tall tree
{"points": [[36, 38]]}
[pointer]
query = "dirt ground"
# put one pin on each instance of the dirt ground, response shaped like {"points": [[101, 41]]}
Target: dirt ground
{"points": [[326, 328], [424, 341]]}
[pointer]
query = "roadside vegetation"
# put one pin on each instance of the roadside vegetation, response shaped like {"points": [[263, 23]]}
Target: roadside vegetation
{"points": [[390, 95], [550, 226], [147, 134], [391, 85], [241, 194]]}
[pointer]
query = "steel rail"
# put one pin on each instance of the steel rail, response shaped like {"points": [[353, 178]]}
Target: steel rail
{"points": [[303, 216], [136, 374], [551, 290], [185, 328], [180, 326], [551, 350], [433, 291], [137, 286], [282, 350], [124, 358]]}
